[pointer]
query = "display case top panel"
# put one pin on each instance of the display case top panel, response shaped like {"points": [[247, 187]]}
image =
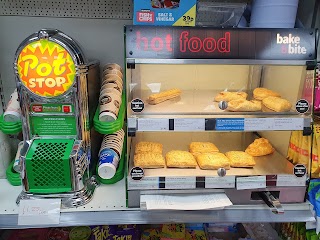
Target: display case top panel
{"points": [[146, 42]]}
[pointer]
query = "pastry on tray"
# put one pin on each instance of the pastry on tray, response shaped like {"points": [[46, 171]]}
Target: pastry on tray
{"points": [[149, 160], [240, 159], [213, 161], [229, 96], [276, 104], [163, 96], [260, 147], [244, 106], [262, 93], [153, 147], [202, 147], [180, 159]]}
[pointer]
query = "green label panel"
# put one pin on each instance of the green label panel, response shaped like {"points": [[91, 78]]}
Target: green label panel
{"points": [[53, 125], [52, 108]]}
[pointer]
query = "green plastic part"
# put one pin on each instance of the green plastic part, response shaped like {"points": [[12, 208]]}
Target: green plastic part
{"points": [[10, 127], [48, 165], [120, 170], [12, 176], [110, 127]]}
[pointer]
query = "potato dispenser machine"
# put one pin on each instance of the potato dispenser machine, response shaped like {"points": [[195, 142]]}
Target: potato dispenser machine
{"points": [[58, 95]]}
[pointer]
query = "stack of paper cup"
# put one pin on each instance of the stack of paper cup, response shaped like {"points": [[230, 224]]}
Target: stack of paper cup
{"points": [[13, 111], [110, 92], [110, 154]]}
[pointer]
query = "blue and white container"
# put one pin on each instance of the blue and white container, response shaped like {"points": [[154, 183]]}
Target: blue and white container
{"points": [[108, 163], [274, 13]]}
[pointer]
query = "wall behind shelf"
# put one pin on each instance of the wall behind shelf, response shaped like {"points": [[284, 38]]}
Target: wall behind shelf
{"points": [[101, 39]]}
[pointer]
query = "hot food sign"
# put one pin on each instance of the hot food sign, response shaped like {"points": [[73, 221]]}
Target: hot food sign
{"points": [[210, 43]]}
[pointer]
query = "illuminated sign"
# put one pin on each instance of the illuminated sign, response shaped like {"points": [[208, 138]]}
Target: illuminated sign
{"points": [[188, 43], [46, 68]]}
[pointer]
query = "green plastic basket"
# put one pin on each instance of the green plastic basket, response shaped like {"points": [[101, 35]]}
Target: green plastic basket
{"points": [[48, 166], [10, 127], [120, 170], [12, 176], [110, 127]]}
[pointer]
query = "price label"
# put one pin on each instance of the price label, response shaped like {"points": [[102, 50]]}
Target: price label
{"points": [[290, 180], [189, 124], [145, 183], [288, 124], [251, 182], [220, 182], [155, 124], [39, 212], [180, 182], [258, 124]]}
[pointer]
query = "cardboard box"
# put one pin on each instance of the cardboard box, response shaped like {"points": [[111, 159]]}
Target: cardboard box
{"points": [[165, 12]]}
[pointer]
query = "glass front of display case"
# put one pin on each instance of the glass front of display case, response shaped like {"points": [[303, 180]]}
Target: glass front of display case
{"points": [[182, 90], [244, 102]]}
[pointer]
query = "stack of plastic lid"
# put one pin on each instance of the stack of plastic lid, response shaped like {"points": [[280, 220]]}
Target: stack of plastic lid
{"points": [[13, 177], [10, 127]]}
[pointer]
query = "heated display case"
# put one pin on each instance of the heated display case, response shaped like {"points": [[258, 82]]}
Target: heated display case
{"points": [[226, 87]]}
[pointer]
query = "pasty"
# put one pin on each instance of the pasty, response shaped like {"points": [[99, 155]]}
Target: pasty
{"points": [[213, 161], [202, 147], [277, 104], [262, 93], [229, 96], [244, 106], [152, 147], [163, 96], [149, 160], [240, 159], [260, 147], [180, 159]]}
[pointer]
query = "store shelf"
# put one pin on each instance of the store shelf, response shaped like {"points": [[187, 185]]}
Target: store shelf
{"points": [[108, 207], [196, 111]]}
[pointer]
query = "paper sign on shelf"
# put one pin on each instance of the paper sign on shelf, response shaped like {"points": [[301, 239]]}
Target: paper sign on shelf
{"points": [[185, 202], [39, 212], [251, 182]]}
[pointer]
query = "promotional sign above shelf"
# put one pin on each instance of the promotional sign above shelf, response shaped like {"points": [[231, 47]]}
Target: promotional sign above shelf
{"points": [[210, 43]]}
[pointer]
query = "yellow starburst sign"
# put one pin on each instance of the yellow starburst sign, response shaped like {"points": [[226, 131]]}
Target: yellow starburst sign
{"points": [[46, 68]]}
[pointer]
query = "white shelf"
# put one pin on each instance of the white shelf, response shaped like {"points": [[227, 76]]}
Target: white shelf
{"points": [[108, 207]]}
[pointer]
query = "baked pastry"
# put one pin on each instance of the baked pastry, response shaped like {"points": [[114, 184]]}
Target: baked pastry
{"points": [[262, 93], [213, 161], [229, 96], [153, 147], [260, 147], [149, 160], [276, 104], [202, 147], [163, 96], [244, 106], [180, 159], [240, 159]]}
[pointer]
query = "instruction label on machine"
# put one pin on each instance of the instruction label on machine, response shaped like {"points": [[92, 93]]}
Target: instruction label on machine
{"points": [[53, 125]]}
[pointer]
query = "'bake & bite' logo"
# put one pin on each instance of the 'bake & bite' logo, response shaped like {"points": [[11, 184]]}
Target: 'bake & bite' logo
{"points": [[290, 44]]}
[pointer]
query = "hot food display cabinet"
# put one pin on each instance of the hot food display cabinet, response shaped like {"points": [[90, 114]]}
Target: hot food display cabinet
{"points": [[220, 110]]}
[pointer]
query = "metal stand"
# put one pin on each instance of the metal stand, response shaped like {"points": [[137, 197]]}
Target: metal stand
{"points": [[68, 200]]}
